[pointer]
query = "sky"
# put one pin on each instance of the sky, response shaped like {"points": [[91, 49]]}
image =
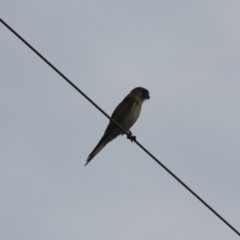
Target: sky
{"points": [[186, 53]]}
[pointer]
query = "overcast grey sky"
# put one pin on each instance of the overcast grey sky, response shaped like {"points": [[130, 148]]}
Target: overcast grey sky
{"points": [[186, 53]]}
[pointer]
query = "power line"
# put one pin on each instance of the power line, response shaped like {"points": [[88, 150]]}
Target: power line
{"points": [[126, 132]]}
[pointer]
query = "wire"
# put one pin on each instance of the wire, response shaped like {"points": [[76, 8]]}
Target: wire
{"points": [[128, 133]]}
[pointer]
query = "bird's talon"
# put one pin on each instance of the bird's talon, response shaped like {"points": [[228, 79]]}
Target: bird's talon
{"points": [[130, 136], [133, 138]]}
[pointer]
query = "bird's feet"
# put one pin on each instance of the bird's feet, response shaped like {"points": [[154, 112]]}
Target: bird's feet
{"points": [[130, 136]]}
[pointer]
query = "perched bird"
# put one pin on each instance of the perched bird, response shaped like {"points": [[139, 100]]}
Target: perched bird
{"points": [[125, 114]]}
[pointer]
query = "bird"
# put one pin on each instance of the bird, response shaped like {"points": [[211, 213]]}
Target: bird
{"points": [[125, 114]]}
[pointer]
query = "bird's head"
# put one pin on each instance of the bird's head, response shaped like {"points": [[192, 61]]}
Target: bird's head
{"points": [[141, 92]]}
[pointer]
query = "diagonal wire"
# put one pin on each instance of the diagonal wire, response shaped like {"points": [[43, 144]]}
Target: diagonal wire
{"points": [[104, 113]]}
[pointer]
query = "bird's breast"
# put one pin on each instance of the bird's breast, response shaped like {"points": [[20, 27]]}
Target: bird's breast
{"points": [[131, 117]]}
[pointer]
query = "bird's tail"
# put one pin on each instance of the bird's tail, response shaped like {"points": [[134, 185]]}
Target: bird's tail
{"points": [[95, 151], [110, 133]]}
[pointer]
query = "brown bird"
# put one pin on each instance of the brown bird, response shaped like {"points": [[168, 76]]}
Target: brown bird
{"points": [[125, 114]]}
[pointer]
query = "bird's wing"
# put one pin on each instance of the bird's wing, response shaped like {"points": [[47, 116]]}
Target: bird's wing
{"points": [[121, 111]]}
